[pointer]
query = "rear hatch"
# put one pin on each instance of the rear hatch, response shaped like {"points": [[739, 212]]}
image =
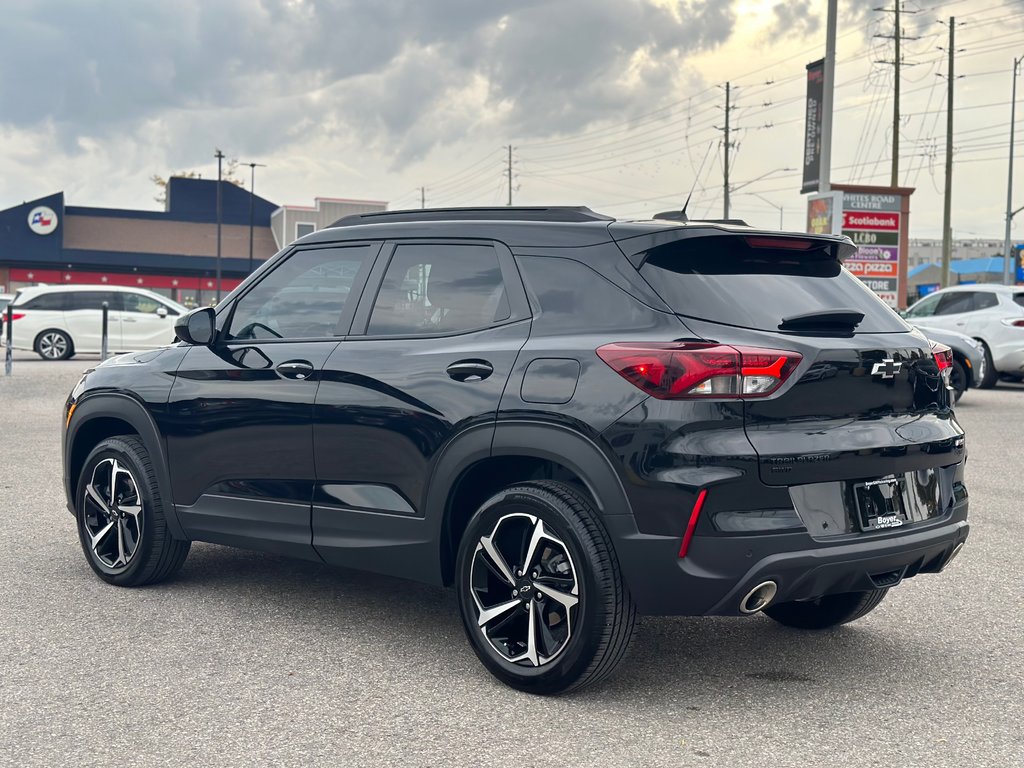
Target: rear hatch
{"points": [[864, 414]]}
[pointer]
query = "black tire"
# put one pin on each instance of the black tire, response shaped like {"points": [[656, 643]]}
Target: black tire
{"points": [[958, 380], [584, 641], [54, 344], [828, 611], [113, 469], [990, 375]]}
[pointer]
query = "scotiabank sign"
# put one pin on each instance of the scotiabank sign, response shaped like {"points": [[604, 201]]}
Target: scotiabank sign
{"points": [[889, 222]]}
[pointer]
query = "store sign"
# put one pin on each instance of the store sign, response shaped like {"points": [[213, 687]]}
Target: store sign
{"points": [[812, 125], [42, 220], [823, 213], [873, 222]]}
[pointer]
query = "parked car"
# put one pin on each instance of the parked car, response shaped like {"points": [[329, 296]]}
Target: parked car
{"points": [[60, 321], [992, 314], [571, 419], [968, 359]]}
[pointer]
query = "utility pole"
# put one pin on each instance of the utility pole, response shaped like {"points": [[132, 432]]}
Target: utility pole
{"points": [[220, 156], [1008, 277], [827, 97], [898, 64], [896, 98], [423, 197], [947, 229], [252, 200], [509, 174], [725, 165]]}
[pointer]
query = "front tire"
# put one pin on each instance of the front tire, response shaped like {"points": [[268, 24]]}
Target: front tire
{"points": [[54, 344], [989, 375], [958, 380], [540, 591], [121, 522], [826, 612]]}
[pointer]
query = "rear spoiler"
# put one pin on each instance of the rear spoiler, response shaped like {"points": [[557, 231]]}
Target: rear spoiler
{"points": [[636, 246]]}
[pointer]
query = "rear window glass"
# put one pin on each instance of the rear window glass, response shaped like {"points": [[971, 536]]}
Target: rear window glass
{"points": [[46, 301], [723, 280]]}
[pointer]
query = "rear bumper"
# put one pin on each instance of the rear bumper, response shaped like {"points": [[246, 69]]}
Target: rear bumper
{"points": [[719, 570]]}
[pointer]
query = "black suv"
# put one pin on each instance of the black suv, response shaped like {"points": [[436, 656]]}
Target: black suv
{"points": [[570, 418]]}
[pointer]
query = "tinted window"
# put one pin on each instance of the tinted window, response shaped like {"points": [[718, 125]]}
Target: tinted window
{"points": [[984, 300], [573, 298], [91, 300], [440, 289], [302, 298], [956, 302], [723, 280], [49, 301], [139, 302], [1019, 298]]}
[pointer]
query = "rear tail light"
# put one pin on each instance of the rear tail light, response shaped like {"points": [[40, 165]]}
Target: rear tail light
{"points": [[14, 316], [1019, 323], [943, 359], [684, 371]]}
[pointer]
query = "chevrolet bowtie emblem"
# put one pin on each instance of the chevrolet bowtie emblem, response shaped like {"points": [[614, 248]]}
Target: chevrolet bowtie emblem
{"points": [[887, 369]]}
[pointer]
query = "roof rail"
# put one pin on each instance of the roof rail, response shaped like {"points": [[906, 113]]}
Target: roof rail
{"points": [[570, 214]]}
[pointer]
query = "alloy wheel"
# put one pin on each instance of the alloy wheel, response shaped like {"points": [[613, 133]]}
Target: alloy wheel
{"points": [[112, 514], [53, 346], [525, 589]]}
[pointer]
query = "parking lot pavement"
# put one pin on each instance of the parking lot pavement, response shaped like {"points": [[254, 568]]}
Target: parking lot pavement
{"points": [[249, 659]]}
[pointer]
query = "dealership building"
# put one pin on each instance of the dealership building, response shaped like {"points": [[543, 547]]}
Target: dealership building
{"points": [[172, 252]]}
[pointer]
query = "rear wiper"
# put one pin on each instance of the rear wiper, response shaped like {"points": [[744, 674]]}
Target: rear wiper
{"points": [[823, 320]]}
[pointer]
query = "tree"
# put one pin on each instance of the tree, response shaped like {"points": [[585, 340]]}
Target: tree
{"points": [[229, 173]]}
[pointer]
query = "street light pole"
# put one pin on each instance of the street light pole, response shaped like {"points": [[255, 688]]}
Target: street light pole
{"points": [[252, 200], [1007, 245], [220, 156], [773, 205]]}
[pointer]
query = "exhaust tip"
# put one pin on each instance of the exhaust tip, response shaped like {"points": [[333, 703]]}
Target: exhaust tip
{"points": [[758, 598], [952, 556]]}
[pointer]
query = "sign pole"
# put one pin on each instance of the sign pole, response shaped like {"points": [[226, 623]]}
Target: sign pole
{"points": [[825, 176]]}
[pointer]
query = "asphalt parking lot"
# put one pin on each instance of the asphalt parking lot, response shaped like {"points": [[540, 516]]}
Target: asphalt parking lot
{"points": [[250, 659]]}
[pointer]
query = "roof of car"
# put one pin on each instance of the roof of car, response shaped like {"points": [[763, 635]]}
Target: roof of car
{"points": [[993, 287], [519, 227]]}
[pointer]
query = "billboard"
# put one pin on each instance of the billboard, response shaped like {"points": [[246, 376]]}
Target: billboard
{"points": [[874, 222], [812, 125], [823, 213]]}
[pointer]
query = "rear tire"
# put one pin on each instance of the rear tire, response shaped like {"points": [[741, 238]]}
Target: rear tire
{"points": [[54, 344], [990, 375], [537, 560], [121, 522], [826, 612]]}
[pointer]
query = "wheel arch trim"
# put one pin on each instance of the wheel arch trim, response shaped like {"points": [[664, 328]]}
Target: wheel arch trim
{"points": [[123, 407]]}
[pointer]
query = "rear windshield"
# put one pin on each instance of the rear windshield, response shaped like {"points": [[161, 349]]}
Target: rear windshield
{"points": [[723, 280]]}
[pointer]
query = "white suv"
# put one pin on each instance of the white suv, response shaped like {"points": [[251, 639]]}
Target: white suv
{"points": [[992, 314], [59, 321]]}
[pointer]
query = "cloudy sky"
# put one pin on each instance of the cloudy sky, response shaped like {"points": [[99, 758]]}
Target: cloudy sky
{"points": [[609, 103]]}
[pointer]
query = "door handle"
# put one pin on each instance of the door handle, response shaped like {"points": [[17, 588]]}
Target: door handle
{"points": [[295, 369], [126, 319], [470, 370]]}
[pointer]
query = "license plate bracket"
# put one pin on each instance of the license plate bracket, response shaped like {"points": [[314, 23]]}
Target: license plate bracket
{"points": [[881, 503]]}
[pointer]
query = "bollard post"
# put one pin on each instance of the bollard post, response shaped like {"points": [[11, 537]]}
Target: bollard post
{"points": [[103, 337], [9, 355]]}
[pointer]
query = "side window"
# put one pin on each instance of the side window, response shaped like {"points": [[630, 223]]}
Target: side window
{"points": [[440, 289], [955, 303], [925, 307], [302, 298], [139, 302], [985, 300], [92, 300], [1019, 298], [49, 301], [302, 229]]}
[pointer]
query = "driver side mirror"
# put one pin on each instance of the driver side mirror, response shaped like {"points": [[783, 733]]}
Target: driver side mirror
{"points": [[198, 327], [161, 311]]}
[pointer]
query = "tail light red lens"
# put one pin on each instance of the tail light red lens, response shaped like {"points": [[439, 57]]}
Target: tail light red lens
{"points": [[684, 371], [14, 316], [943, 356], [1014, 323]]}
